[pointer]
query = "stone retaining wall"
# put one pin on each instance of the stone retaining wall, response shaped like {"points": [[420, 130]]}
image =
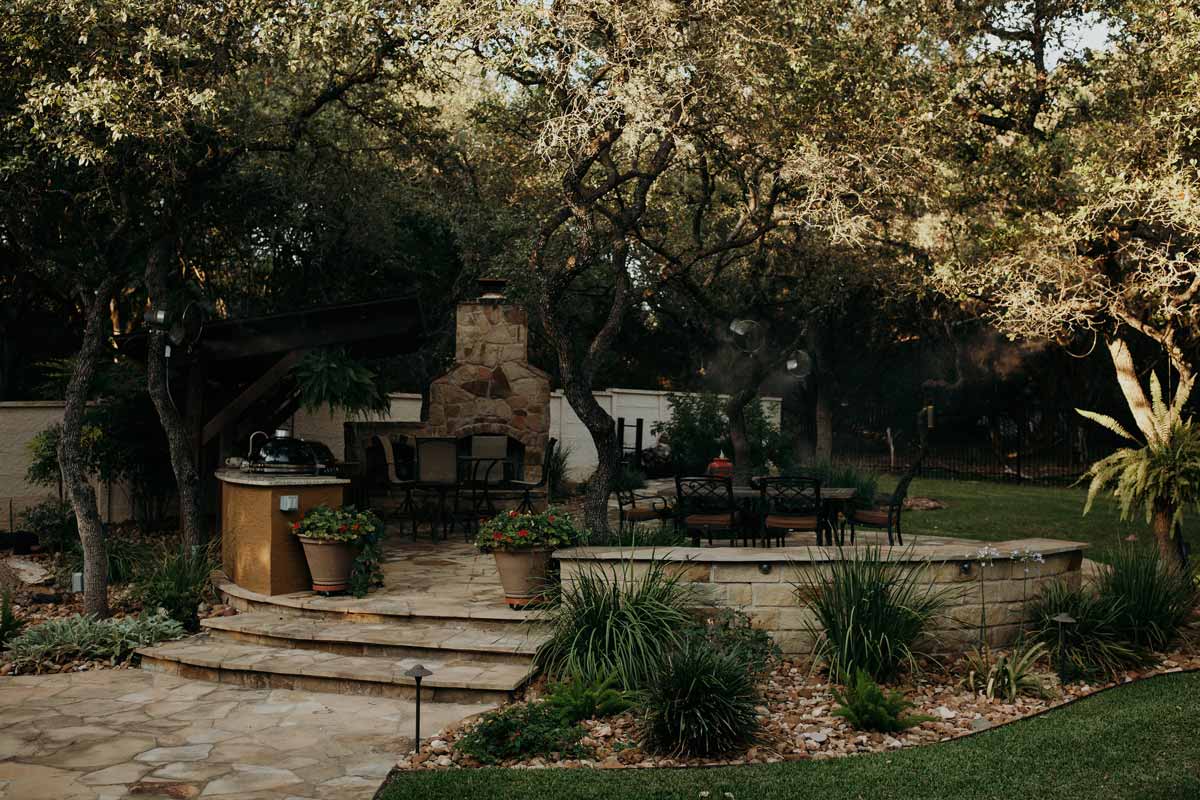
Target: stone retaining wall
{"points": [[772, 585]]}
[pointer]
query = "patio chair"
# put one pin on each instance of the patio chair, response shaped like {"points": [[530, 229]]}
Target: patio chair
{"points": [[437, 474], [706, 505], [793, 504], [629, 514], [888, 518], [529, 487], [488, 447], [472, 497]]}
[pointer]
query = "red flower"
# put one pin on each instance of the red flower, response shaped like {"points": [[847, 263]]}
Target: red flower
{"points": [[512, 514], [522, 533], [356, 526], [295, 526], [550, 518], [341, 528], [497, 536]]}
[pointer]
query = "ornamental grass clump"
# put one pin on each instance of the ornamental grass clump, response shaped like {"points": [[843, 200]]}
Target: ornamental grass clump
{"points": [[700, 701], [176, 580], [614, 621], [1092, 645], [871, 613], [1154, 598]]}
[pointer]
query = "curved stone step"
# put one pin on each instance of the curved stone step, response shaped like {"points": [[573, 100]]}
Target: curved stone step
{"points": [[453, 680], [405, 638]]}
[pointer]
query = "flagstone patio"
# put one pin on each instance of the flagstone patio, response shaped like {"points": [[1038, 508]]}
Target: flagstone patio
{"points": [[120, 733]]}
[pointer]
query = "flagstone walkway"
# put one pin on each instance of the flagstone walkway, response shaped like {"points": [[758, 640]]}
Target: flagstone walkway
{"points": [[129, 733]]}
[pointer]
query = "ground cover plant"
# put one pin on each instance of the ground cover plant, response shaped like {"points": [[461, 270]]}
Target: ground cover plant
{"points": [[523, 729], [1138, 740], [730, 631], [83, 637], [577, 700], [869, 707]]}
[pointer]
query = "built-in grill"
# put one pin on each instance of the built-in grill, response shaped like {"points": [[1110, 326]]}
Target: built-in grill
{"points": [[282, 454]]}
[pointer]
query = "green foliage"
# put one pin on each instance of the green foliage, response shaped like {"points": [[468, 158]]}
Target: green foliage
{"points": [[80, 637], [344, 524], [512, 530], [556, 469], [176, 580], [730, 631], [577, 700], [613, 622], [10, 623], [125, 557], [867, 483], [367, 571], [698, 431], [1092, 646], [520, 731], [1009, 676], [331, 378], [700, 701], [1162, 476], [1154, 598], [647, 534], [54, 523], [866, 706], [871, 613]]}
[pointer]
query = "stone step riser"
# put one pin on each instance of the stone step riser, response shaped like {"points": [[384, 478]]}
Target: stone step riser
{"points": [[370, 649], [252, 679]]}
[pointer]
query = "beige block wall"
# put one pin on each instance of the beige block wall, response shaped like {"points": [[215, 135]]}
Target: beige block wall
{"points": [[20, 421]]}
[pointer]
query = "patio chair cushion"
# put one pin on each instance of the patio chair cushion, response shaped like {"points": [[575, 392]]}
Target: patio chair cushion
{"points": [[709, 521], [791, 523], [639, 513], [871, 516]]}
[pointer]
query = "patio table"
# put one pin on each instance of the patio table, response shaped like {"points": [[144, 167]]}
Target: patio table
{"points": [[834, 498]]}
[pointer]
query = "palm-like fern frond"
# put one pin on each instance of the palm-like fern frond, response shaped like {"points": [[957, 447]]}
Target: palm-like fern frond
{"points": [[1108, 422]]}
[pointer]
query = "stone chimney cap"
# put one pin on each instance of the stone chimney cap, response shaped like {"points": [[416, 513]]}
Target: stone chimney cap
{"points": [[491, 288]]}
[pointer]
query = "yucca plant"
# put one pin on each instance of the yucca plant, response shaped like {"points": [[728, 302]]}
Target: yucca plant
{"points": [[1007, 675], [610, 621], [872, 613], [1160, 478]]}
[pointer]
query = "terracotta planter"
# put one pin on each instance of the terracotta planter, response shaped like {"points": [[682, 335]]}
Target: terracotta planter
{"points": [[523, 575], [329, 562]]}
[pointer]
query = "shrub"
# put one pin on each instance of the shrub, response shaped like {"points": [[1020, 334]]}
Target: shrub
{"points": [[729, 631], [521, 731], [871, 614], [10, 623], [1092, 645], [577, 700], [79, 637], [1155, 597], [177, 581], [124, 556], [700, 701], [1009, 676], [868, 707], [54, 523], [612, 622], [698, 430]]}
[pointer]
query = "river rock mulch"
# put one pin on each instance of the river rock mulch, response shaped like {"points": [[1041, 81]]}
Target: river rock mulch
{"points": [[798, 722]]}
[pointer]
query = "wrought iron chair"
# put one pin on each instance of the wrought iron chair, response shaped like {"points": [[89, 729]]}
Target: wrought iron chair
{"points": [[472, 498], [705, 505], [884, 518], [530, 487], [630, 514], [793, 504], [437, 476]]}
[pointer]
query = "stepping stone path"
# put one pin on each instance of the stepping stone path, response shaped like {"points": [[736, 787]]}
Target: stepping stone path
{"points": [[111, 734]]}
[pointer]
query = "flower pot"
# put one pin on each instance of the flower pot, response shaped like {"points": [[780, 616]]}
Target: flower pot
{"points": [[523, 575], [329, 562]]}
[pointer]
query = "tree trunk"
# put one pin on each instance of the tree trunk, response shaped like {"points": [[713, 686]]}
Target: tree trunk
{"points": [[179, 434], [822, 392], [1160, 523], [70, 454], [608, 455], [1131, 388], [735, 412]]}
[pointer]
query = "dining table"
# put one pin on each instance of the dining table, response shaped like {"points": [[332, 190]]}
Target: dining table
{"points": [[835, 499]]}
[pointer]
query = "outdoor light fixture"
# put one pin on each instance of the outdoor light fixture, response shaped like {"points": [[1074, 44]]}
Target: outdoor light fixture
{"points": [[765, 569], [1063, 620], [965, 567], [156, 318], [417, 672]]}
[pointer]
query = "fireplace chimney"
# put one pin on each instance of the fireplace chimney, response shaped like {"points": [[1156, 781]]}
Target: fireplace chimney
{"points": [[491, 290]]}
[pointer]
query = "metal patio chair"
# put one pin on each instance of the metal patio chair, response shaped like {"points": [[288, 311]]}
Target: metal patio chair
{"points": [[706, 505], [793, 504]]}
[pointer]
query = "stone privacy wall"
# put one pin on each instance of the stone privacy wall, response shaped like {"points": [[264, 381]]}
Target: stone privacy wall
{"points": [[492, 388], [773, 585]]}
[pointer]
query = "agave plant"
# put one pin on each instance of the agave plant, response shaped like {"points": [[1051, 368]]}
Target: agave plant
{"points": [[1162, 476]]}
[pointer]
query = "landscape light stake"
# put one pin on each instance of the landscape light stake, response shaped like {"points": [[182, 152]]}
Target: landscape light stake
{"points": [[1064, 619], [417, 672]]}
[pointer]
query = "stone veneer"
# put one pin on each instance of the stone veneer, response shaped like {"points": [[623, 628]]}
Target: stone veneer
{"points": [[770, 584], [492, 388]]}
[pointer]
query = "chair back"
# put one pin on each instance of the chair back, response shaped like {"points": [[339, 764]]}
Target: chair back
{"points": [[490, 453], [704, 495], [437, 461], [547, 457], [793, 496]]}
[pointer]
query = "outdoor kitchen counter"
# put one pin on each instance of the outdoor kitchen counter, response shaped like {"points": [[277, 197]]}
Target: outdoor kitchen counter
{"points": [[258, 550]]}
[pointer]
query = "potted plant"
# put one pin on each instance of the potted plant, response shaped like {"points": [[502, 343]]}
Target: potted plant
{"points": [[522, 544], [331, 539]]}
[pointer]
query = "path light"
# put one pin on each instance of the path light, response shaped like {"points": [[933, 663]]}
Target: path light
{"points": [[1063, 620], [417, 672]]}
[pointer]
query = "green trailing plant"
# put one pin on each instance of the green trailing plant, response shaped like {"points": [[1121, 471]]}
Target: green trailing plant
{"points": [[730, 631], [614, 621], [176, 580], [1161, 477], [53, 521], [520, 731], [1007, 675], [700, 701], [10, 623], [1155, 597], [866, 706], [1092, 645], [367, 571], [79, 637], [577, 700], [871, 613], [330, 378]]}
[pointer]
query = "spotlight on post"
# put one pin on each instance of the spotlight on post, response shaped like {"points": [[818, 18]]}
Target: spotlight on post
{"points": [[1062, 620], [417, 672]]}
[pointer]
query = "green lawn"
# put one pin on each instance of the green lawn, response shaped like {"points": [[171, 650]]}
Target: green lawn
{"points": [[1137, 742], [999, 511]]}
